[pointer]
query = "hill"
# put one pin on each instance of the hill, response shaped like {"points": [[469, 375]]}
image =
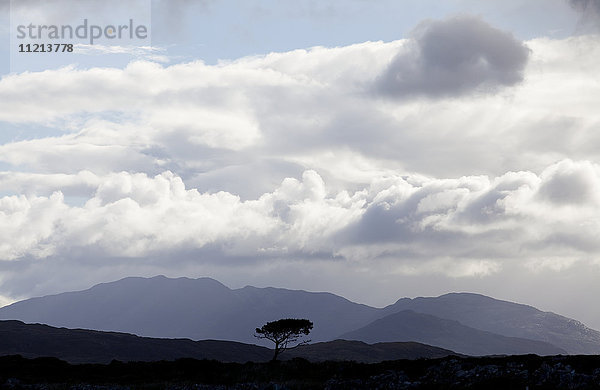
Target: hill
{"points": [[88, 346], [507, 319], [345, 350], [424, 328]]}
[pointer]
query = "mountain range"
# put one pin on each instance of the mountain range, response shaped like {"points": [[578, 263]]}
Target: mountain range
{"points": [[201, 309]]}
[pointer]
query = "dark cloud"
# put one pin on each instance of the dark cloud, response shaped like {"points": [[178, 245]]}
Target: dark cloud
{"points": [[590, 12], [586, 5], [171, 13], [68, 11], [570, 183], [455, 56]]}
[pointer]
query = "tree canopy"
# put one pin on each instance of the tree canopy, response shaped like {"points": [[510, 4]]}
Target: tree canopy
{"points": [[284, 333]]}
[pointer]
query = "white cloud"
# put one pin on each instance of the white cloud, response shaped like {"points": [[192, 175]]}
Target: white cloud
{"points": [[418, 225], [149, 53], [308, 107]]}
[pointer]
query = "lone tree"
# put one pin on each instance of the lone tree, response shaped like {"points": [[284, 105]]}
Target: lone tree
{"points": [[284, 332]]}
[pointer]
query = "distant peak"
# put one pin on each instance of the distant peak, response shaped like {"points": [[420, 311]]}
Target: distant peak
{"points": [[481, 297], [141, 281], [466, 294]]}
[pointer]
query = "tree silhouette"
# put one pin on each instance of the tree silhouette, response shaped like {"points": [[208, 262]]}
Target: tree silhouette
{"points": [[284, 332]]}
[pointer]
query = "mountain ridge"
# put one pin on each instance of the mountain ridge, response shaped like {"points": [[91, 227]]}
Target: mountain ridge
{"points": [[204, 308], [139, 306]]}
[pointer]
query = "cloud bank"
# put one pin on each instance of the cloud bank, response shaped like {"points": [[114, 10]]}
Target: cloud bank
{"points": [[405, 218]]}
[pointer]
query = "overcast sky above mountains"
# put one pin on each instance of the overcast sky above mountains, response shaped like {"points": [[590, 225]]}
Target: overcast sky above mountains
{"points": [[373, 149]]}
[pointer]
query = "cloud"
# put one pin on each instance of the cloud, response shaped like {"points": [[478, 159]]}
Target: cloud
{"points": [[590, 12], [173, 13], [571, 183], [455, 56], [168, 12], [592, 6], [307, 108], [66, 11], [405, 218], [137, 52]]}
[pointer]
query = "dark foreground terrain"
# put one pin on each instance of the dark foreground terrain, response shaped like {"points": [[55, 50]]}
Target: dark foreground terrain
{"points": [[513, 372], [80, 346]]}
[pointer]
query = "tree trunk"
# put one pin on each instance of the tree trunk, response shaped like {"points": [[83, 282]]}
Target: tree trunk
{"points": [[277, 351]]}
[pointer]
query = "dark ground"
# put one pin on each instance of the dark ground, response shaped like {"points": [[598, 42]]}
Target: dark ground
{"points": [[512, 372]]}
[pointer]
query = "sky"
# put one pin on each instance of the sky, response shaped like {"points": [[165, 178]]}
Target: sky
{"points": [[374, 149]]}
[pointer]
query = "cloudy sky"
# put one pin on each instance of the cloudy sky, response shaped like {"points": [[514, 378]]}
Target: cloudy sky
{"points": [[374, 149]]}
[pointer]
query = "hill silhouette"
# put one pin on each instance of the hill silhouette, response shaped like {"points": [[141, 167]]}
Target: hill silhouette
{"points": [[87, 346], [190, 308], [408, 325], [507, 319]]}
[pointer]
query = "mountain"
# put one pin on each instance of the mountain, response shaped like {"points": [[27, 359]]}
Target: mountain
{"points": [[408, 325], [507, 319], [206, 309], [190, 308], [88, 346]]}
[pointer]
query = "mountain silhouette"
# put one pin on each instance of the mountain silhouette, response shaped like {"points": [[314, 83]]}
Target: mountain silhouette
{"points": [[507, 319], [201, 309], [190, 308]]}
